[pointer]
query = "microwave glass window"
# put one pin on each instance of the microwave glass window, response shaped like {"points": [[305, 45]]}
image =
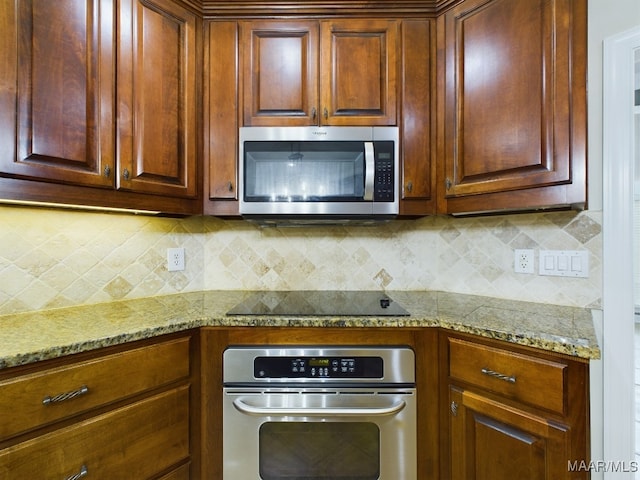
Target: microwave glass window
{"points": [[304, 171], [319, 451]]}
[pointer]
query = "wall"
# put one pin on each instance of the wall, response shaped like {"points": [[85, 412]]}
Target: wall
{"points": [[59, 258], [54, 258]]}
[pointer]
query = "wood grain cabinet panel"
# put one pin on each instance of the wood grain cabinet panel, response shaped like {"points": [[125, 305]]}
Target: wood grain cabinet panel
{"points": [[55, 394], [119, 412], [509, 412], [332, 72], [514, 83], [358, 70], [528, 379], [98, 103], [417, 125], [221, 118], [280, 72], [157, 98], [144, 439], [491, 441], [56, 91]]}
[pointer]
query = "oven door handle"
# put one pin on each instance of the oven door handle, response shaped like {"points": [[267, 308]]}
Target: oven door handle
{"points": [[346, 411]]}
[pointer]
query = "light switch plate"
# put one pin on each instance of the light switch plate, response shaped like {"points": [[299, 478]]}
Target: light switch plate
{"points": [[564, 263]]}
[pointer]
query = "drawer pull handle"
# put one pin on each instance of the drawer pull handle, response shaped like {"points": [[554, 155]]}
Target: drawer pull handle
{"points": [[501, 376], [65, 396], [82, 473]]}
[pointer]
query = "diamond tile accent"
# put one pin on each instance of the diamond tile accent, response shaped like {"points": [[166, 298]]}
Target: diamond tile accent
{"points": [[51, 259]]}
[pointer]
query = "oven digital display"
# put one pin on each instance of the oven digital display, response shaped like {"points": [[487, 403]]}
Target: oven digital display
{"points": [[319, 362], [318, 367]]}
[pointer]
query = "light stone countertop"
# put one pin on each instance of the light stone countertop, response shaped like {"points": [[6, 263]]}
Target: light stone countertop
{"points": [[34, 336]]}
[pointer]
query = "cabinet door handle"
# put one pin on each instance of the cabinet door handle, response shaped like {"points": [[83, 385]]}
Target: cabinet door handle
{"points": [[498, 375], [82, 473], [61, 397], [326, 113], [230, 186], [409, 186], [314, 113], [448, 184], [126, 174], [454, 409], [107, 171]]}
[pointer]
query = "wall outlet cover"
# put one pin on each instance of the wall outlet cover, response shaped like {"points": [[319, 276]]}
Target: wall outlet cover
{"points": [[523, 261], [175, 259]]}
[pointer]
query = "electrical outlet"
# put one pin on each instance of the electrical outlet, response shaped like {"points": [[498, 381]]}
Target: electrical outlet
{"points": [[523, 261], [175, 259]]}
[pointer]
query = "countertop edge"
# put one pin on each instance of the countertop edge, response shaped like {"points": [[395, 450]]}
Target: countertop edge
{"points": [[468, 321]]}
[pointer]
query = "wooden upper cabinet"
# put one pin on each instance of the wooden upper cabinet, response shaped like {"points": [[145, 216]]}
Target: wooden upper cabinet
{"points": [[333, 72], [157, 98], [56, 91], [280, 72], [514, 76], [221, 117], [417, 129], [358, 72]]}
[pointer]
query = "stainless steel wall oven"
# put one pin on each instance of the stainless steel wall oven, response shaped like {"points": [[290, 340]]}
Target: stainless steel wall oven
{"points": [[319, 413]]}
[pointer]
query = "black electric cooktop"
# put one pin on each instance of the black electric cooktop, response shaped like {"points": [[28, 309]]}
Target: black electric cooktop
{"points": [[319, 303]]}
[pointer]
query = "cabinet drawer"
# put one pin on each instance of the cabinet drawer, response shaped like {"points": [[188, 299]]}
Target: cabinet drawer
{"points": [[525, 378], [89, 384], [137, 441]]}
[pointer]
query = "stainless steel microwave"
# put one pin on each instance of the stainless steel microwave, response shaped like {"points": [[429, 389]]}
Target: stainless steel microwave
{"points": [[318, 174]]}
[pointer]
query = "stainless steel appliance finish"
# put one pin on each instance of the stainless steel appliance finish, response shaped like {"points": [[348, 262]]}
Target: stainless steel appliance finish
{"points": [[319, 413], [316, 174], [319, 303]]}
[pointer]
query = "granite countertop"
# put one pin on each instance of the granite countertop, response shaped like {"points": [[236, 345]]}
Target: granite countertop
{"points": [[34, 336]]}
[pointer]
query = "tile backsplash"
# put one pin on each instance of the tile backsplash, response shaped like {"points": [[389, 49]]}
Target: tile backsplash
{"points": [[56, 258]]}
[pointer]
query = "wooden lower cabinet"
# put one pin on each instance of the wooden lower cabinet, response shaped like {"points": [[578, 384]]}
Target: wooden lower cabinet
{"points": [[487, 410], [136, 441], [492, 441], [129, 411], [511, 413]]}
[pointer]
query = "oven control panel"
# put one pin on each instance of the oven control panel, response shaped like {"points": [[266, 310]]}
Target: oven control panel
{"points": [[318, 367]]}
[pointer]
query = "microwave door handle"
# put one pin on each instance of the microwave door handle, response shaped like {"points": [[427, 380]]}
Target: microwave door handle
{"points": [[369, 170], [318, 411]]}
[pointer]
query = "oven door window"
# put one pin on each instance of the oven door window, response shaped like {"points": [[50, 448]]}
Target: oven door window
{"points": [[319, 451], [304, 171]]}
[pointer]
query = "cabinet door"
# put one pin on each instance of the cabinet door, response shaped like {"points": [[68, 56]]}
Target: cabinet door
{"points": [[157, 98], [515, 104], [418, 172], [358, 68], [221, 118], [493, 441], [280, 60], [56, 91], [140, 440]]}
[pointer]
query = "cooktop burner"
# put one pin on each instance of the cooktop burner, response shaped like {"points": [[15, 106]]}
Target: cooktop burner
{"points": [[319, 303]]}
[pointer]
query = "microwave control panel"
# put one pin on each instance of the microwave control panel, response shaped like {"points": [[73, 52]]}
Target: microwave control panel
{"points": [[318, 367], [384, 178]]}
